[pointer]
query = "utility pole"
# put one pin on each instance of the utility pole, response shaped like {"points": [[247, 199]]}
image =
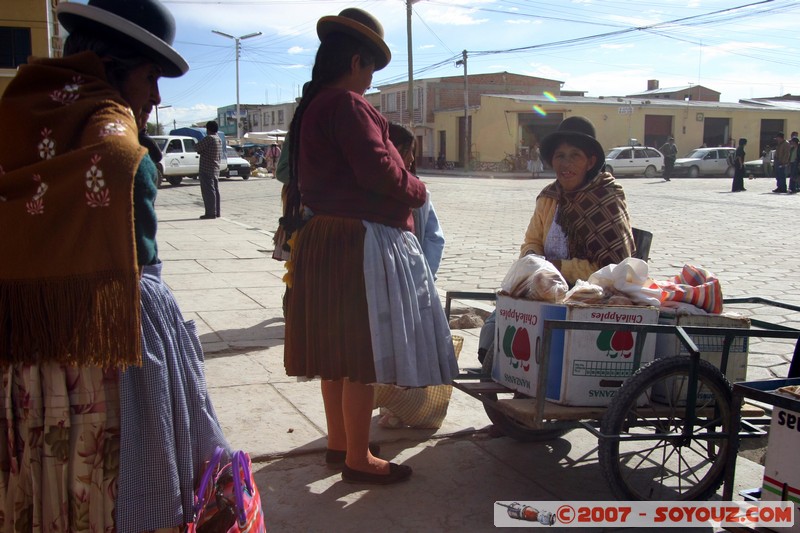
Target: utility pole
{"points": [[410, 98], [238, 49], [463, 61], [158, 126]]}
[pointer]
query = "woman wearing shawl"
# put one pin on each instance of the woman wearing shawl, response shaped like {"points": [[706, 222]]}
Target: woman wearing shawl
{"points": [[103, 398], [581, 222]]}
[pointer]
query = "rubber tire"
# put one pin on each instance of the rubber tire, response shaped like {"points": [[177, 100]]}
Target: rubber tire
{"points": [[522, 433], [650, 172], [694, 172], [246, 177], [160, 178], [608, 168], [619, 409], [174, 180]]}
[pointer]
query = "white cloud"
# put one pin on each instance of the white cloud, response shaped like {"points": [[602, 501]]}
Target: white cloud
{"points": [[518, 21], [426, 46], [296, 50], [451, 16]]}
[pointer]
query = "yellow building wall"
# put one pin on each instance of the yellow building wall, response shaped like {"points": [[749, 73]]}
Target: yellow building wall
{"points": [[31, 14], [496, 127]]}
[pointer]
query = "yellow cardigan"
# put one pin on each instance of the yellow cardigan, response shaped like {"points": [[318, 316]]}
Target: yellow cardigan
{"points": [[538, 227]]}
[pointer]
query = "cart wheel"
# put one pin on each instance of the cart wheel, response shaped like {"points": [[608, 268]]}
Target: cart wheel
{"points": [[522, 433], [657, 466]]}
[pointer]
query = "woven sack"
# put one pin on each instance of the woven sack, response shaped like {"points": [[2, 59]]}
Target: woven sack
{"points": [[423, 407]]}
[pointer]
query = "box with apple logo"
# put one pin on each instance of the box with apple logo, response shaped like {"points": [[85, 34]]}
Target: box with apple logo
{"points": [[586, 367]]}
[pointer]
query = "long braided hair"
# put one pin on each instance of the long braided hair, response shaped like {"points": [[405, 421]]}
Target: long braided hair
{"points": [[331, 63]]}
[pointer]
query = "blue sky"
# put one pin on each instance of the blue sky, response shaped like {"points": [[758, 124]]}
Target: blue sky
{"points": [[590, 45]]}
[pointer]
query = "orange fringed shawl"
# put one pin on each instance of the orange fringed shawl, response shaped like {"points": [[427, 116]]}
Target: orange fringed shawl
{"points": [[69, 283]]}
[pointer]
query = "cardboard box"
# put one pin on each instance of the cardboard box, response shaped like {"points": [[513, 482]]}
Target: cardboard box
{"points": [[585, 367], [710, 347], [781, 468]]}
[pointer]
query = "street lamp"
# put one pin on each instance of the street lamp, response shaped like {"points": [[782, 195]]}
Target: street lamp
{"points": [[238, 48], [158, 130]]}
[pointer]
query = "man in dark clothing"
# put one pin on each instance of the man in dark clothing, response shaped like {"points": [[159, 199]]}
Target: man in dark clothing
{"points": [[781, 162], [670, 152], [210, 150]]}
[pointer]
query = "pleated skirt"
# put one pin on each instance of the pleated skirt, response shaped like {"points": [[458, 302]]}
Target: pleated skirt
{"points": [[363, 306], [327, 321]]}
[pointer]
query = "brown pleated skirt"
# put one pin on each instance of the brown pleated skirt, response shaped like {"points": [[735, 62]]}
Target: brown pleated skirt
{"points": [[327, 321]]}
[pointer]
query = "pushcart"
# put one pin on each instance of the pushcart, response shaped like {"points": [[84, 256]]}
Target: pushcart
{"points": [[671, 448]]}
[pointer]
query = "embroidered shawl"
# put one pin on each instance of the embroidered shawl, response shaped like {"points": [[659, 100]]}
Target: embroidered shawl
{"points": [[69, 282], [595, 220]]}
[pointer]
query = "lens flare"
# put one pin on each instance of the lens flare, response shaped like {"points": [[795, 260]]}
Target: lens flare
{"points": [[549, 96], [539, 110]]}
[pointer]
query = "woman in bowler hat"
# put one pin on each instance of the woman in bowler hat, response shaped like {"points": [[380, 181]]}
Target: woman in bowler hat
{"points": [[581, 222], [105, 408], [361, 307]]}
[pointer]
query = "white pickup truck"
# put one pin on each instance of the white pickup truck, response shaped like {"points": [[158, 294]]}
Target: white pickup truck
{"points": [[180, 158]]}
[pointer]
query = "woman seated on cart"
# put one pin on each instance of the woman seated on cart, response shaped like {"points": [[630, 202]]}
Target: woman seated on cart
{"points": [[581, 222]]}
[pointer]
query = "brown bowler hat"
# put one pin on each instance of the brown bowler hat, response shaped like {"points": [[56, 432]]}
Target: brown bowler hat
{"points": [[361, 25]]}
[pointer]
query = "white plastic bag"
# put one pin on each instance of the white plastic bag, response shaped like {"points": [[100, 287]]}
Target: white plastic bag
{"points": [[533, 277], [629, 277]]}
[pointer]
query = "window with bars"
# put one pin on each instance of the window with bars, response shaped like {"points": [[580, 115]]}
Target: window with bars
{"points": [[15, 46]]}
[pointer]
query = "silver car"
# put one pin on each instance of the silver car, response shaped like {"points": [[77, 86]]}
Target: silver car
{"points": [[634, 161], [705, 162]]}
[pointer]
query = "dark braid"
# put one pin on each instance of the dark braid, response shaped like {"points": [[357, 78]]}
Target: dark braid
{"points": [[331, 63]]}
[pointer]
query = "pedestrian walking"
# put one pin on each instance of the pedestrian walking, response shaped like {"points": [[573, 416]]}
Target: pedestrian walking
{"points": [[738, 167], [670, 152]]}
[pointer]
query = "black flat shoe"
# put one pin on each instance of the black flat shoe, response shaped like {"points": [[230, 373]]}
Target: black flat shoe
{"points": [[397, 473], [337, 457], [207, 217]]}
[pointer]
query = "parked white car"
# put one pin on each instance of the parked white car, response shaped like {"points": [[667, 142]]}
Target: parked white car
{"points": [[180, 158], [237, 165], [634, 161], [705, 162]]}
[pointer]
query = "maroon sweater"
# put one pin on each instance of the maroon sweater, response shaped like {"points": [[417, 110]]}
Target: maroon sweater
{"points": [[349, 168]]}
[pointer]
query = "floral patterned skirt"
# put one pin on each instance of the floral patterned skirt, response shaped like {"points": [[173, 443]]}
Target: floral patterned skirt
{"points": [[59, 448]]}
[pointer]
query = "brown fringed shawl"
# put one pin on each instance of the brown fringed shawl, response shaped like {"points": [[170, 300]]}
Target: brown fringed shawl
{"points": [[69, 282], [595, 220]]}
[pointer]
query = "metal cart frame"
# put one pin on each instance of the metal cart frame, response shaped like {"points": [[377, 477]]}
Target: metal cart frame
{"points": [[712, 428]]}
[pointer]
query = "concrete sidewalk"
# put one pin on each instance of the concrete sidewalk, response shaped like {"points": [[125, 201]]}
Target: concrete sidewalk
{"points": [[224, 278]]}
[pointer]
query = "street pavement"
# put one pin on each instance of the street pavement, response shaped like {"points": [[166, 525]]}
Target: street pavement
{"points": [[224, 278]]}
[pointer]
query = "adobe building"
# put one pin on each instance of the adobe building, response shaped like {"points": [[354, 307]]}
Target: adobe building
{"points": [[682, 93], [434, 95]]}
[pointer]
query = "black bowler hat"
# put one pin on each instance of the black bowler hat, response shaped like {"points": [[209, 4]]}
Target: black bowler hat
{"points": [[144, 25], [361, 25], [578, 131]]}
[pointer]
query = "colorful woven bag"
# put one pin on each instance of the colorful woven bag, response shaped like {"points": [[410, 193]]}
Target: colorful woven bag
{"points": [[227, 499], [696, 286]]}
